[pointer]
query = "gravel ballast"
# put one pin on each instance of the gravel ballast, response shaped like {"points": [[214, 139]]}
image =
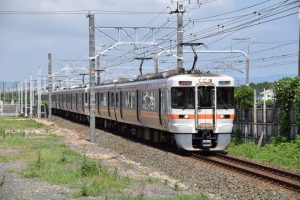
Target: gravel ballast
{"points": [[218, 183]]}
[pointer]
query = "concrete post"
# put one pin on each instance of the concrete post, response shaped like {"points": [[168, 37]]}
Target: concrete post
{"points": [[255, 116], [21, 85], [39, 93], [92, 75], [50, 87], [180, 11], [30, 96], [26, 115]]}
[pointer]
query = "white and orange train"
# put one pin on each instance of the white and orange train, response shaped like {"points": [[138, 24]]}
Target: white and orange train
{"points": [[195, 111]]}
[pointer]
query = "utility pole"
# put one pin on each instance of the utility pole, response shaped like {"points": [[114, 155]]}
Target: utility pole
{"points": [[21, 89], [30, 96], [39, 92], [179, 11], [49, 87], [255, 116], [98, 66], [299, 45], [25, 98], [18, 90], [92, 74]]}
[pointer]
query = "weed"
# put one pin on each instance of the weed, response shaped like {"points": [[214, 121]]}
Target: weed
{"points": [[38, 161], [63, 158], [2, 180], [176, 187], [84, 190], [166, 181], [115, 173], [88, 167]]}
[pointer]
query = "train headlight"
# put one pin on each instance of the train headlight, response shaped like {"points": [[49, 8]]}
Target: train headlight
{"points": [[186, 116], [222, 116]]}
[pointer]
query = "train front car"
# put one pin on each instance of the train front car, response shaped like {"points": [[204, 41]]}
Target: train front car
{"points": [[202, 111]]}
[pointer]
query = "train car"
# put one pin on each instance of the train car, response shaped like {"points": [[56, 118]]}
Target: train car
{"points": [[195, 111]]}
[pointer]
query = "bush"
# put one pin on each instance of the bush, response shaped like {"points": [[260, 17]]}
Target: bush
{"points": [[238, 137], [89, 168], [278, 140]]}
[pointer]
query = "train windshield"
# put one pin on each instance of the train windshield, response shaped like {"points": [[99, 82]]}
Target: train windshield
{"points": [[225, 97], [206, 96], [183, 97]]}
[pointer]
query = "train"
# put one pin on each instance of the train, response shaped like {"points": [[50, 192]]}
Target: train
{"points": [[194, 111]]}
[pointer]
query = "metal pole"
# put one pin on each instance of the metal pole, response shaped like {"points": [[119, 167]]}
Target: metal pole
{"points": [[44, 84], [30, 96], [21, 85], [247, 70], [92, 75], [264, 111], [3, 90], [26, 98], [49, 87], [180, 11], [39, 92], [19, 94]]}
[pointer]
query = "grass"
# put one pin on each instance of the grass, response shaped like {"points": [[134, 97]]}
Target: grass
{"points": [[286, 153], [17, 123], [50, 160]]}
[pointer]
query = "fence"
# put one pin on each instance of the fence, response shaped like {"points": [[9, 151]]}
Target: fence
{"points": [[9, 110], [271, 125]]}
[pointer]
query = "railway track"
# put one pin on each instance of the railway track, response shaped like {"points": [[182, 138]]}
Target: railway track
{"points": [[278, 177]]}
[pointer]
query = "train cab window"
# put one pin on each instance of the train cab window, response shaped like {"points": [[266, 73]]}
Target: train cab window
{"points": [[205, 96], [183, 97], [225, 96]]}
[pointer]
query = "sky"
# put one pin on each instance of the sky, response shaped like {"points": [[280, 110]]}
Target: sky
{"points": [[33, 31]]}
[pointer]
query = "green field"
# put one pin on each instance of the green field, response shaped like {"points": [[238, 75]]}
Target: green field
{"points": [[18, 123]]}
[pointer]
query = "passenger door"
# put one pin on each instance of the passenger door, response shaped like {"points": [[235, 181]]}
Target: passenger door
{"points": [[205, 107]]}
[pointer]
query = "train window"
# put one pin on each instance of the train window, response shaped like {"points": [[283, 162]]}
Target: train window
{"points": [[148, 100], [117, 99], [129, 99], [225, 97], [183, 97], [103, 101], [205, 96], [85, 98], [112, 99]]}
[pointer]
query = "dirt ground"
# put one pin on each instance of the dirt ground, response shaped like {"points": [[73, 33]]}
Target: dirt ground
{"points": [[148, 183]]}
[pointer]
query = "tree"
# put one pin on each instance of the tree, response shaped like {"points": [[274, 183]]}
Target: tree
{"points": [[285, 96], [297, 101], [244, 97]]}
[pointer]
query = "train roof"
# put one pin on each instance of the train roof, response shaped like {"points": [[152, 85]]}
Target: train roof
{"points": [[160, 77]]}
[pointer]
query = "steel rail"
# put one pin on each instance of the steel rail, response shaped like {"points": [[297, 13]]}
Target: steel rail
{"points": [[281, 178]]}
